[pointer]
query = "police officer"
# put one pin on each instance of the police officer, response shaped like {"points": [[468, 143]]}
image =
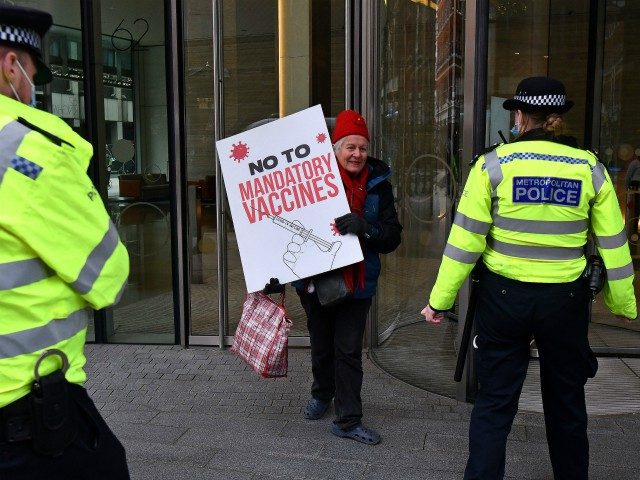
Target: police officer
{"points": [[525, 213], [60, 256]]}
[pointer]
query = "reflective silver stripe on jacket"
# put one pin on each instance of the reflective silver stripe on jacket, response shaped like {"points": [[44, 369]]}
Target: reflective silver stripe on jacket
{"points": [[612, 241], [120, 293], [598, 177], [493, 168], [11, 137], [533, 252], [460, 255], [96, 260], [23, 272], [540, 226], [471, 225], [34, 339], [620, 272]]}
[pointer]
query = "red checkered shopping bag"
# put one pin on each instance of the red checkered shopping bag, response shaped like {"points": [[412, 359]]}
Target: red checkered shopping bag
{"points": [[262, 336]]}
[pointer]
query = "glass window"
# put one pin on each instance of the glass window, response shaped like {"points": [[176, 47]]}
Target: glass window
{"points": [[279, 57], [528, 38], [137, 158], [135, 120], [420, 99], [201, 167], [619, 147]]}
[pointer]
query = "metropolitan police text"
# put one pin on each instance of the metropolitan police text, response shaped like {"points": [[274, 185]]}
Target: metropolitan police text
{"points": [[557, 191]]}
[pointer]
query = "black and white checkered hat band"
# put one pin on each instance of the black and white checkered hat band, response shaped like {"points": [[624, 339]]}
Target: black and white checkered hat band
{"points": [[542, 100], [19, 35]]}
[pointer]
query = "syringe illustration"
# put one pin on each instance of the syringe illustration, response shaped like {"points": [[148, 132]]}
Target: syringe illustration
{"points": [[300, 237], [306, 234]]}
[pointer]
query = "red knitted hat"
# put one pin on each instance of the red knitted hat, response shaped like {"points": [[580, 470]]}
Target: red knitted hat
{"points": [[349, 122]]}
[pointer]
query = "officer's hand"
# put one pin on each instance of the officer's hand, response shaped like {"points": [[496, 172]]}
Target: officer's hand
{"points": [[624, 319], [274, 286], [351, 223], [432, 316]]}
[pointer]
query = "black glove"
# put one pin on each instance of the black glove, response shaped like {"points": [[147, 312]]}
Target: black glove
{"points": [[351, 223], [274, 286]]}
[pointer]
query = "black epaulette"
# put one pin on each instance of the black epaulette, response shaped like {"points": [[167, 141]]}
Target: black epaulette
{"points": [[50, 136], [484, 152]]}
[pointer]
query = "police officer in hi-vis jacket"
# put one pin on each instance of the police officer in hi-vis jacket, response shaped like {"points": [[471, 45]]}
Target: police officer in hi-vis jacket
{"points": [[524, 216], [60, 256]]}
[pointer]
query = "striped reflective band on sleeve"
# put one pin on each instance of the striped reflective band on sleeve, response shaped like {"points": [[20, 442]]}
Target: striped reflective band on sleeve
{"points": [[34, 339], [493, 168], [460, 255], [612, 241], [96, 260], [22, 272], [471, 225], [539, 226], [120, 293], [11, 137], [620, 272], [532, 252], [597, 177]]}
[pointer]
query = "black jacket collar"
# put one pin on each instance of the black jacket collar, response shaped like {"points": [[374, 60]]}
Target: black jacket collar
{"points": [[535, 134], [540, 134]]}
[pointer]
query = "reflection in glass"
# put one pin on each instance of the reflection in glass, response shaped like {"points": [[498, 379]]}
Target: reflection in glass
{"points": [[619, 145], [528, 38], [135, 116], [420, 100]]}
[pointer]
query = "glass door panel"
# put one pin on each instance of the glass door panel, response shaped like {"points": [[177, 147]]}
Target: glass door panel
{"points": [[619, 147], [258, 37], [135, 118], [419, 123], [201, 167], [528, 38]]}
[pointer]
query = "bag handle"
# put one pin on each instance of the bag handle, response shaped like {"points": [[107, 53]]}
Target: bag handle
{"points": [[281, 299]]}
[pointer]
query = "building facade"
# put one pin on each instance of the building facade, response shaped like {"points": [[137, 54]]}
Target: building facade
{"points": [[153, 84]]}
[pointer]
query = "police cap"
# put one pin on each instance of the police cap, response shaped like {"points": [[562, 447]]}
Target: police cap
{"points": [[539, 94], [24, 28]]}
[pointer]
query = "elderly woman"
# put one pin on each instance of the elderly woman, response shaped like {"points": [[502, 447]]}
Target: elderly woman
{"points": [[336, 332]]}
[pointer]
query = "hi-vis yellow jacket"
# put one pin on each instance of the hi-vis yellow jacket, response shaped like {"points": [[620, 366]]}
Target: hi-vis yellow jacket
{"points": [[526, 209], [59, 251]]}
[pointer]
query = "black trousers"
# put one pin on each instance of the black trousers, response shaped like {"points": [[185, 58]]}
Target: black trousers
{"points": [[336, 354], [508, 315], [95, 454]]}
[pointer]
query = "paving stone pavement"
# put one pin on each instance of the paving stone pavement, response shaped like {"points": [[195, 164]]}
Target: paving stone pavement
{"points": [[200, 413]]}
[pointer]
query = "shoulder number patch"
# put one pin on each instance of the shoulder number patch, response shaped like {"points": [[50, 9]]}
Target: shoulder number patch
{"points": [[550, 190]]}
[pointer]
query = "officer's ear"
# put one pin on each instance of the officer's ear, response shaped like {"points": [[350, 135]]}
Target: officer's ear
{"points": [[8, 64], [517, 116]]}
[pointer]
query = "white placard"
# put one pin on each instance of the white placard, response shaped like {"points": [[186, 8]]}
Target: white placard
{"points": [[285, 191]]}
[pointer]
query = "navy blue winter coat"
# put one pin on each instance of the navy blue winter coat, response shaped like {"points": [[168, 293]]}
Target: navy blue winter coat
{"points": [[380, 213]]}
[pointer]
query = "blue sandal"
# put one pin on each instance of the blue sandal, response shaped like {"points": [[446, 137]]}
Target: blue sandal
{"points": [[359, 433], [315, 409]]}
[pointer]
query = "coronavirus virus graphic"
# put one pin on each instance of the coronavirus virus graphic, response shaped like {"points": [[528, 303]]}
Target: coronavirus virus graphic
{"points": [[321, 137], [240, 151]]}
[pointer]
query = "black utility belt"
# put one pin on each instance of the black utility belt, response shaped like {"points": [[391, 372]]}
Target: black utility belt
{"points": [[46, 416]]}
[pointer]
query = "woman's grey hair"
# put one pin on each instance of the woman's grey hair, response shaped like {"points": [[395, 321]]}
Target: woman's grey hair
{"points": [[338, 144]]}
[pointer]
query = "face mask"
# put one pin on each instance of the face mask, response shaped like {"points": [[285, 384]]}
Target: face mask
{"points": [[515, 130], [33, 87]]}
